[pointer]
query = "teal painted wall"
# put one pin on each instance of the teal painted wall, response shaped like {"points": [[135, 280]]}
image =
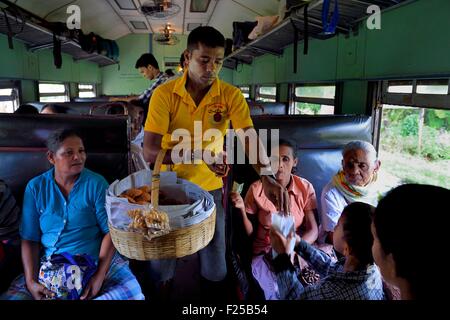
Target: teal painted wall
{"points": [[124, 79], [413, 41], [226, 75], [29, 90], [30, 67], [127, 80], [22, 64]]}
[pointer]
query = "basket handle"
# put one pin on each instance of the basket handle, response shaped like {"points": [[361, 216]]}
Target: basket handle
{"points": [[156, 177]]}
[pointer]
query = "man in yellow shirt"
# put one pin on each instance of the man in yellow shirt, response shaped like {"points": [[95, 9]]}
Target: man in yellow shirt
{"points": [[188, 109]]}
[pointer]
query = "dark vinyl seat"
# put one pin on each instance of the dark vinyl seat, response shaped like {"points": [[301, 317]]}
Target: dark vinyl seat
{"points": [[23, 150]]}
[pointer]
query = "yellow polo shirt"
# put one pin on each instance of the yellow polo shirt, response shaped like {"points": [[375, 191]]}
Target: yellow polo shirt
{"points": [[172, 113]]}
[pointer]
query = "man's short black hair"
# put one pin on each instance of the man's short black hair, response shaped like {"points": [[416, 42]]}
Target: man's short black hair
{"points": [[145, 60], [207, 36]]}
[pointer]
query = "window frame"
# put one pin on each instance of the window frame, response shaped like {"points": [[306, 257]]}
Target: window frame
{"points": [[245, 92], [293, 98], [267, 96], [94, 90], [66, 92], [15, 96], [414, 99], [381, 96]]}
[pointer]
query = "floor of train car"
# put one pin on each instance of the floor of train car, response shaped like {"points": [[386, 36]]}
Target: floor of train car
{"points": [[186, 285]]}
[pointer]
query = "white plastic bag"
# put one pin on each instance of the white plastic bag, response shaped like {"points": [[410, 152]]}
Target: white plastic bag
{"points": [[201, 203], [285, 225]]}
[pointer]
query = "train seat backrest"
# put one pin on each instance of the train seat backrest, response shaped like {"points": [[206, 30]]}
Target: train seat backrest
{"points": [[23, 150], [266, 108], [319, 140], [72, 107]]}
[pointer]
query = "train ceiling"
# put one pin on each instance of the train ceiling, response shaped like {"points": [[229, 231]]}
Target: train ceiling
{"points": [[183, 15]]}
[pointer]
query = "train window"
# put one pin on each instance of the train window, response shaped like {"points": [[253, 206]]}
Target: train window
{"points": [[400, 86], [9, 100], [9, 97], [266, 94], [314, 99], [245, 91], [414, 138], [53, 92], [439, 86], [86, 90]]}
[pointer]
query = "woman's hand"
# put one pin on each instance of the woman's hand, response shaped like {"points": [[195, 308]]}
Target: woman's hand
{"points": [[38, 291], [93, 287], [237, 201]]}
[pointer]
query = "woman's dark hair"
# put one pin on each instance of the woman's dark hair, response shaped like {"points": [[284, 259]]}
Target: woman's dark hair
{"points": [[291, 144], [116, 108], [207, 36], [357, 221], [26, 109], [411, 222], [170, 72], [56, 108], [57, 137]]}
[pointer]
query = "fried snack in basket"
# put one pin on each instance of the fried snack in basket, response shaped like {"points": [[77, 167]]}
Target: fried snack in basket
{"points": [[141, 195], [146, 189], [151, 222], [133, 192], [145, 197], [138, 220]]}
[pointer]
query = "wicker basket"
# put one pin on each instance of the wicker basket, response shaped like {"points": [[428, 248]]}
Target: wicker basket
{"points": [[176, 244]]}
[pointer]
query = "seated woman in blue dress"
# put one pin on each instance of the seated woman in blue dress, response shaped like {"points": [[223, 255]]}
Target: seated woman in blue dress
{"points": [[64, 212]]}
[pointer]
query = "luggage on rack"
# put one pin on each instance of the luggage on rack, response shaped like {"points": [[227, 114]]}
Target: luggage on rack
{"points": [[241, 30]]}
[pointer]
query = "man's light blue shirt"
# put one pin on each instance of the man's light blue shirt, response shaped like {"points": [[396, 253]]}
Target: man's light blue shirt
{"points": [[75, 224]]}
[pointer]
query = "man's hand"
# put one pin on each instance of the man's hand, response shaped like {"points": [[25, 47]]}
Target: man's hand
{"points": [[93, 287], [237, 201], [276, 193], [38, 291], [219, 166]]}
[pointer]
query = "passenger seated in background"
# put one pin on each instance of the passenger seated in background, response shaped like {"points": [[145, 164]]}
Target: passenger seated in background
{"points": [[410, 232], [353, 277], [183, 64], [54, 109], [302, 199], [10, 262], [64, 211], [148, 67], [26, 109], [136, 114], [170, 73], [356, 181]]}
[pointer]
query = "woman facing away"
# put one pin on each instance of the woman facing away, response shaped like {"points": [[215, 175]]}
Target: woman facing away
{"points": [[353, 277], [64, 212], [410, 230]]}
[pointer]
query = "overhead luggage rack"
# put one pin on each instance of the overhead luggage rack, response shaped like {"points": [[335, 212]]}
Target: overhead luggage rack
{"points": [[37, 38], [293, 28]]}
